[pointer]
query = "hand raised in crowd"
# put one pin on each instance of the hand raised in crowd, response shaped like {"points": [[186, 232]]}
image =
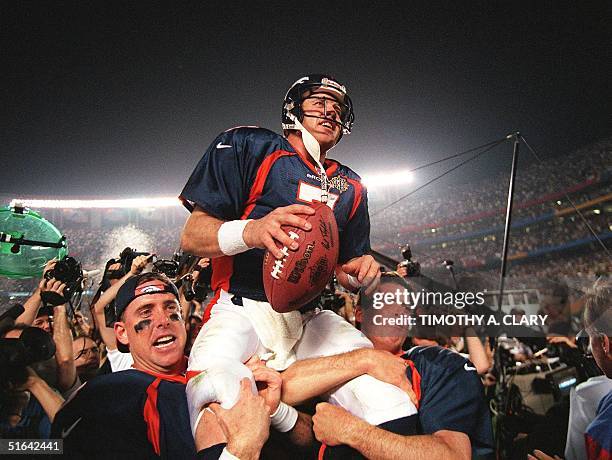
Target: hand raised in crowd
{"points": [[246, 426], [52, 285], [139, 264], [269, 382], [402, 270], [82, 322], [539, 455], [49, 266], [365, 270], [204, 262], [266, 232], [557, 339]]}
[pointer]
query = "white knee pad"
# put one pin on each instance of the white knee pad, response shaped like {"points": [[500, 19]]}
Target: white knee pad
{"points": [[219, 382], [372, 400]]}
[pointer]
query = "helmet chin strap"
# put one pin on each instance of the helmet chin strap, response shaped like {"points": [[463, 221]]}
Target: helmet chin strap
{"points": [[314, 150]]}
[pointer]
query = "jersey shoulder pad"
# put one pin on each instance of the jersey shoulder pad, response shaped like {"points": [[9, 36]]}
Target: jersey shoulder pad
{"points": [[252, 141]]}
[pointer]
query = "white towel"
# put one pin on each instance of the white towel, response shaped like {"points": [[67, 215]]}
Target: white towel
{"points": [[278, 332]]}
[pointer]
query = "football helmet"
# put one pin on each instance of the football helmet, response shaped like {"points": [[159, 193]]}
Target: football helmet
{"points": [[301, 89]]}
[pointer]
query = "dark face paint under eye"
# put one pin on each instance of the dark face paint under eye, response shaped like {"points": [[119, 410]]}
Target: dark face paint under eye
{"points": [[138, 327], [175, 317]]}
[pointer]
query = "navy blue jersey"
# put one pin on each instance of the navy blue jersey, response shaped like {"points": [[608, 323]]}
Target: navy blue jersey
{"points": [[451, 395], [248, 172], [127, 414]]}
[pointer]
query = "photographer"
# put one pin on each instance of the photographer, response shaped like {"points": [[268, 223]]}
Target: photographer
{"points": [[452, 420], [598, 326], [32, 310], [117, 359], [28, 403]]}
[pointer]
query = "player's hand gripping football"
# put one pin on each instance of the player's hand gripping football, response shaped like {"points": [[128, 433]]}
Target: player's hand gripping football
{"points": [[264, 233]]}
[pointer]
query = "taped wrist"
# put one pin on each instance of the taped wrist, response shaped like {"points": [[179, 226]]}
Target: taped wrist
{"points": [[284, 418], [230, 238]]}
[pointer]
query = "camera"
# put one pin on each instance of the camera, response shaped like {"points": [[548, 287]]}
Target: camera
{"points": [[34, 345], [69, 272], [329, 300], [127, 256], [413, 267], [170, 268]]}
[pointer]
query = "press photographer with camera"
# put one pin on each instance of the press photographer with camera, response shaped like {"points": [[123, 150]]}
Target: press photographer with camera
{"points": [[32, 307], [28, 403], [112, 276]]}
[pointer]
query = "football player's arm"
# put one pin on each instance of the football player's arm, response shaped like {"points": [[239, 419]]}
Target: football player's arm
{"points": [[333, 426], [201, 232], [309, 378]]}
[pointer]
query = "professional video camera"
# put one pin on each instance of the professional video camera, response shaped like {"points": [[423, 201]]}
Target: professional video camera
{"points": [[412, 266], [195, 287], [126, 257], [69, 272], [168, 267], [34, 345]]}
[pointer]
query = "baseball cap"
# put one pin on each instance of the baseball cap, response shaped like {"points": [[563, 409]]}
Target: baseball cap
{"points": [[143, 284]]}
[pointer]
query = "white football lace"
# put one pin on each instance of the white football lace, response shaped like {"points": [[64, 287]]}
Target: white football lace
{"points": [[278, 265]]}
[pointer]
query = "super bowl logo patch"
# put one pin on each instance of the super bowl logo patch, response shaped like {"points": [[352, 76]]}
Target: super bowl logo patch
{"points": [[339, 183]]}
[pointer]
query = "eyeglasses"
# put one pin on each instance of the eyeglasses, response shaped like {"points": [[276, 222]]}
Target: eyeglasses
{"points": [[85, 351]]}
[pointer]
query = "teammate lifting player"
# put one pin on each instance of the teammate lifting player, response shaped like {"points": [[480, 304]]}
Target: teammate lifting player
{"points": [[249, 183]]}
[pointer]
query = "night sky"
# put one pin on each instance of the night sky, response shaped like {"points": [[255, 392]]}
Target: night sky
{"points": [[121, 99]]}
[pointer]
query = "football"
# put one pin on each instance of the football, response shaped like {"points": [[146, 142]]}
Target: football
{"points": [[301, 275]]}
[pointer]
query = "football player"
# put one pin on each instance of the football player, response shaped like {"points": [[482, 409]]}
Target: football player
{"points": [[249, 183], [453, 419]]}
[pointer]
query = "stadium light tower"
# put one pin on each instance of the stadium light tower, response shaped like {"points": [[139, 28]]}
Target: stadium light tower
{"points": [[152, 202], [392, 179]]}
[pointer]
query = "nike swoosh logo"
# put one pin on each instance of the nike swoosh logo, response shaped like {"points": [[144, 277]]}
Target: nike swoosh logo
{"points": [[65, 433], [223, 146], [468, 368]]}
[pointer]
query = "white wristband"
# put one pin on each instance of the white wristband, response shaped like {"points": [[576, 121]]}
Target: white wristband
{"points": [[284, 418], [227, 455], [230, 237]]}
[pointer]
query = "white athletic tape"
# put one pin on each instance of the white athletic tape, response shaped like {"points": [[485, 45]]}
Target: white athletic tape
{"points": [[284, 418], [230, 237], [219, 383]]}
